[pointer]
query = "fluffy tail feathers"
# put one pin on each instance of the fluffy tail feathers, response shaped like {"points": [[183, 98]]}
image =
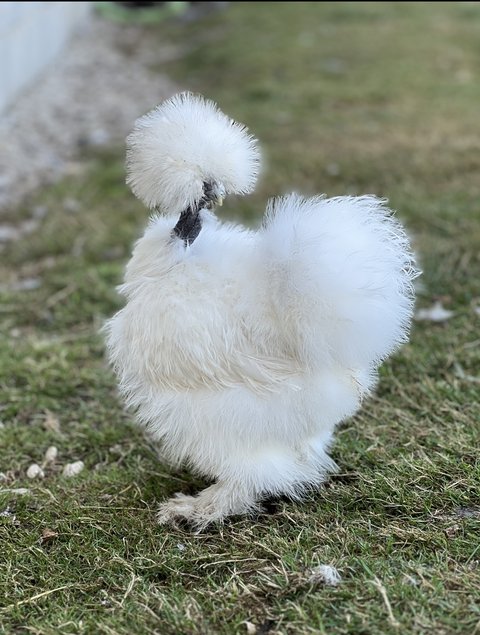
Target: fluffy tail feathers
{"points": [[340, 274]]}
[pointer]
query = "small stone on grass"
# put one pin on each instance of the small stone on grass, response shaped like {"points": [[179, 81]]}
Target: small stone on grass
{"points": [[35, 471], [72, 469], [51, 454], [436, 313], [325, 574]]}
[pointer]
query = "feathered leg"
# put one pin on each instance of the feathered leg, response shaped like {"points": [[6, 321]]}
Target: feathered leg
{"points": [[212, 504]]}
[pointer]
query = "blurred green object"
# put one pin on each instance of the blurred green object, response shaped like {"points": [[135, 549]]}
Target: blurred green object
{"points": [[140, 13]]}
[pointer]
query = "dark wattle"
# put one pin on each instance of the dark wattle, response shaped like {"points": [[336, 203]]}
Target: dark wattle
{"points": [[188, 226]]}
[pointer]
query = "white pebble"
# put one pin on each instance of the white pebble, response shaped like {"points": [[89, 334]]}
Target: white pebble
{"points": [[333, 169], [72, 469], [436, 313], [325, 574], [35, 471], [27, 284], [51, 454]]}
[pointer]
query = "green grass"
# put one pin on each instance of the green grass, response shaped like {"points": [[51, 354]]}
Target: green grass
{"points": [[346, 98]]}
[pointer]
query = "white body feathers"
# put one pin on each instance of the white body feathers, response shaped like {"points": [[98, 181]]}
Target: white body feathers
{"points": [[241, 352]]}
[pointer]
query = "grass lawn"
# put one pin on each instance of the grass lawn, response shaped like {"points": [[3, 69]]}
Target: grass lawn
{"points": [[346, 98]]}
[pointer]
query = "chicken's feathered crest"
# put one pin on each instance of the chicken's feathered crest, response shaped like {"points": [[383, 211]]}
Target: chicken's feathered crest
{"points": [[183, 143]]}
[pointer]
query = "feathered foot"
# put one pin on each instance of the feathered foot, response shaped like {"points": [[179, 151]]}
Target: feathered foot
{"points": [[213, 504]]}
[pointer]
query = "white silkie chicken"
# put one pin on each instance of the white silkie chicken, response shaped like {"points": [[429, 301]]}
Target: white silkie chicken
{"points": [[240, 350]]}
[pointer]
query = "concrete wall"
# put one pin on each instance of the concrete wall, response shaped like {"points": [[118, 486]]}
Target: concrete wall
{"points": [[32, 34]]}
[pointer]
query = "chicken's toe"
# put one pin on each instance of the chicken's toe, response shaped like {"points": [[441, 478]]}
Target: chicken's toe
{"points": [[211, 505], [178, 507]]}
